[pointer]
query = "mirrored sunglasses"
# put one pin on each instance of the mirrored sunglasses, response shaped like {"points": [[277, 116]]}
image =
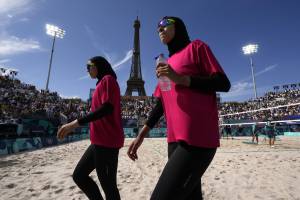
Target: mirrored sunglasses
{"points": [[166, 22], [89, 65]]}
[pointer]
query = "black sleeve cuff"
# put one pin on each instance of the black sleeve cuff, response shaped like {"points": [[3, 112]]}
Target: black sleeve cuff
{"points": [[217, 82], [105, 109], [155, 114]]}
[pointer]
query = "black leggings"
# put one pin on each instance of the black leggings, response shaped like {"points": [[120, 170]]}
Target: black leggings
{"points": [[105, 161], [181, 177]]}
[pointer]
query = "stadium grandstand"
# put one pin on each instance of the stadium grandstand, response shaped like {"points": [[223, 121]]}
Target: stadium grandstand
{"points": [[26, 112]]}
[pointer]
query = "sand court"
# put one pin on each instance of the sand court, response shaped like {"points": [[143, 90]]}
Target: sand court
{"points": [[238, 171]]}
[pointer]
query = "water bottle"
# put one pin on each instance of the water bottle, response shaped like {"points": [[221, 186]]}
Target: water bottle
{"points": [[163, 81]]}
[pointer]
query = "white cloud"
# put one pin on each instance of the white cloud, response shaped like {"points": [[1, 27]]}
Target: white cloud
{"points": [[95, 42], [110, 56], [10, 10], [241, 86], [244, 87], [243, 90], [14, 45], [239, 89], [4, 61], [11, 7], [118, 64], [267, 69], [84, 77], [24, 19]]}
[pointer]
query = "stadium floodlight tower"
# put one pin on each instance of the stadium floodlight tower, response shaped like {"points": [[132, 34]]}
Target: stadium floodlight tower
{"points": [[249, 50], [55, 32]]}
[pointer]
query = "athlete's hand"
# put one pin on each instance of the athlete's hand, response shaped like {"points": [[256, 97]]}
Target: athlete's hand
{"points": [[163, 69], [66, 129], [133, 147], [166, 70]]}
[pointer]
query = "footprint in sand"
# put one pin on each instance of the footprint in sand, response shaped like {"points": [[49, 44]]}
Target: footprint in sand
{"points": [[127, 176], [59, 191], [10, 186], [72, 187], [46, 187], [4, 175], [80, 192], [37, 172], [134, 190], [54, 187], [34, 194]]}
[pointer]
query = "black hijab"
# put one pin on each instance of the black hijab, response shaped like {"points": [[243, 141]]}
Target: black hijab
{"points": [[103, 67], [181, 38]]}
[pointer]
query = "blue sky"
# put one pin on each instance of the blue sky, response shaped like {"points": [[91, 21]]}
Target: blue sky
{"points": [[95, 27]]}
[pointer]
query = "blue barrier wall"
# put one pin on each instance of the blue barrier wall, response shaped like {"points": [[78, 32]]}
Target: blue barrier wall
{"points": [[20, 144], [291, 133]]}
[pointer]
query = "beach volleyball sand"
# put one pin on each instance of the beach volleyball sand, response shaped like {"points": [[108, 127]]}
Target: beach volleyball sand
{"points": [[238, 171]]}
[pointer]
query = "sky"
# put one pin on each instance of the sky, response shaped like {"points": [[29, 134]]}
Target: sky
{"points": [[105, 28]]}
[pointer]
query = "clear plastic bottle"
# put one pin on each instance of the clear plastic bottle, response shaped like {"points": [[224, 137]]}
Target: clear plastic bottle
{"points": [[164, 82]]}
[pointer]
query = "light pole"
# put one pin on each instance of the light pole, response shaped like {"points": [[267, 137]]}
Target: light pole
{"points": [[248, 50], [55, 32]]}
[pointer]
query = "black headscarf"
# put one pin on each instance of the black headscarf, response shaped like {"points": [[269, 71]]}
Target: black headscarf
{"points": [[181, 38], [103, 67]]}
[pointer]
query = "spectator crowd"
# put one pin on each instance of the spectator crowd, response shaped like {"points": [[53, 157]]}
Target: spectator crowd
{"points": [[19, 100], [278, 105]]}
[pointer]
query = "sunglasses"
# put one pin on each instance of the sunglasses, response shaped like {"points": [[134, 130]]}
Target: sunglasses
{"points": [[89, 65], [166, 22]]}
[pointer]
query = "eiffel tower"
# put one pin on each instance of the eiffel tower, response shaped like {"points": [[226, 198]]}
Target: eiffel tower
{"points": [[135, 82]]}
